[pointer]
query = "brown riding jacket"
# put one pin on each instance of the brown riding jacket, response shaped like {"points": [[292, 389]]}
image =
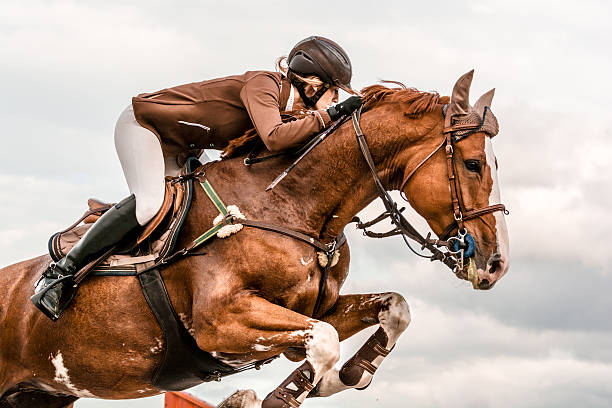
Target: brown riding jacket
{"points": [[208, 114]]}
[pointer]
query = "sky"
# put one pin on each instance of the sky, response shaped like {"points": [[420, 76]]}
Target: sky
{"points": [[541, 338]]}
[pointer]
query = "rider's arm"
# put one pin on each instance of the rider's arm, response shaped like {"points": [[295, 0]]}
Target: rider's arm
{"points": [[260, 96]]}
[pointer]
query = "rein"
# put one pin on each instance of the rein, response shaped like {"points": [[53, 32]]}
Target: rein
{"points": [[457, 248], [402, 226]]}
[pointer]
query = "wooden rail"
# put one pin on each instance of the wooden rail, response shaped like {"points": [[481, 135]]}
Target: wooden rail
{"points": [[184, 400]]}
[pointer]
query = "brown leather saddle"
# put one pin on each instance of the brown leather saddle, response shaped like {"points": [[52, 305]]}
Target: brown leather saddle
{"points": [[183, 364], [153, 241]]}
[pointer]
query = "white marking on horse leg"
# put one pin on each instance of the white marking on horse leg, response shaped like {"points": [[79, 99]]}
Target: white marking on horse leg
{"points": [[61, 377], [331, 384], [322, 350], [394, 319]]}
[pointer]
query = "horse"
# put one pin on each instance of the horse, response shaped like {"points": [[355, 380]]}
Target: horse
{"points": [[252, 296]]}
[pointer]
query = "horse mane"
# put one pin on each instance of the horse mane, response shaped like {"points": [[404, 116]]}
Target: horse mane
{"points": [[415, 103]]}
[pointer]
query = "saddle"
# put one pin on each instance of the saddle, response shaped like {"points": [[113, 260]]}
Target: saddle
{"points": [[153, 241]]}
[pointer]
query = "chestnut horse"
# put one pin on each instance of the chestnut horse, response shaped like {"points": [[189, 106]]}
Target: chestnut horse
{"points": [[253, 295]]}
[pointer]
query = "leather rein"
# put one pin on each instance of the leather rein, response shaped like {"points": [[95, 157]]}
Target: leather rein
{"points": [[456, 248]]}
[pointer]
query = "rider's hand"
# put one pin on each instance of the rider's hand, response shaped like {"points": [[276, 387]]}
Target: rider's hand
{"points": [[345, 107]]}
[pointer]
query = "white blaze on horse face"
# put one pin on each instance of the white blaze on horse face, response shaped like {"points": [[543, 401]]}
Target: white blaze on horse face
{"points": [[61, 377], [501, 230]]}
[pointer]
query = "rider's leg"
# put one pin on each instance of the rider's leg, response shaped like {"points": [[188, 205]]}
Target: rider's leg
{"points": [[142, 161], [143, 164]]}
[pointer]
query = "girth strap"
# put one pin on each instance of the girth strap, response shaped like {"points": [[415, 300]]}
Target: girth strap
{"points": [[183, 364]]}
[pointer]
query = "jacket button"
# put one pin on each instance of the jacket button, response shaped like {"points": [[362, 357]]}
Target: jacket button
{"points": [[192, 146], [212, 145]]}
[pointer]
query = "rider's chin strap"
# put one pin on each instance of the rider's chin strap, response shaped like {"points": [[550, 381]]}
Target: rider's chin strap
{"points": [[309, 101]]}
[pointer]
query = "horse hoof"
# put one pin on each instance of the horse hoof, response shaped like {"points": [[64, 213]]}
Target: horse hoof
{"points": [[241, 399]]}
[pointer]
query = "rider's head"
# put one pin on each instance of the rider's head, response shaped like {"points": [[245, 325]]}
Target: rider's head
{"points": [[317, 64]]}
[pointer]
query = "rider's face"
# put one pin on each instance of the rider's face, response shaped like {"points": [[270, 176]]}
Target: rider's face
{"points": [[328, 99]]}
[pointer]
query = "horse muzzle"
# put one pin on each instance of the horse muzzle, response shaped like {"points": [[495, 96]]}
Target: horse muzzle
{"points": [[484, 279]]}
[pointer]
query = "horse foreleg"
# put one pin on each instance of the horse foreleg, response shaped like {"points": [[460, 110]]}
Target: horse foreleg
{"points": [[351, 314], [256, 325]]}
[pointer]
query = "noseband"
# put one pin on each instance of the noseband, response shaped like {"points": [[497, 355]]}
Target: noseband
{"points": [[456, 248]]}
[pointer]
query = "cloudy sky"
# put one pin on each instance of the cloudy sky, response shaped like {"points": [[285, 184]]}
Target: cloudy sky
{"points": [[540, 338]]}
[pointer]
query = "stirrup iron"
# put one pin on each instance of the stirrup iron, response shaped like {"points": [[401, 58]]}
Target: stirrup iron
{"points": [[68, 292]]}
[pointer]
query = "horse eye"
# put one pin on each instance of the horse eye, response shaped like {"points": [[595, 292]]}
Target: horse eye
{"points": [[473, 165]]}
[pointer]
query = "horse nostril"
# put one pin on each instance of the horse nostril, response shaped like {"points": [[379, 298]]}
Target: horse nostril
{"points": [[484, 284], [494, 262]]}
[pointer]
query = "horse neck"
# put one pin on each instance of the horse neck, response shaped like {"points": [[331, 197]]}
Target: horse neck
{"points": [[334, 183]]}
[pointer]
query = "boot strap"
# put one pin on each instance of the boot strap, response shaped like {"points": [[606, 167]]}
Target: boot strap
{"points": [[287, 398]]}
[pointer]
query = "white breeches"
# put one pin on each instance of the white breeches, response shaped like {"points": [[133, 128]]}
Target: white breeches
{"points": [[143, 164]]}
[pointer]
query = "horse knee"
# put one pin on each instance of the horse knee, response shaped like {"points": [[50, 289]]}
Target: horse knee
{"points": [[394, 316], [322, 347]]}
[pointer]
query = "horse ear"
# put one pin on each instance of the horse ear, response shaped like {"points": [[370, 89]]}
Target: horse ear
{"points": [[460, 99], [484, 100]]}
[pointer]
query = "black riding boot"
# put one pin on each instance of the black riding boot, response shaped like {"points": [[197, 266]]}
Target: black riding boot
{"points": [[56, 287]]}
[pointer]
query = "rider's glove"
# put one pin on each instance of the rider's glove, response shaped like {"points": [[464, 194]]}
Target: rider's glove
{"points": [[345, 107]]}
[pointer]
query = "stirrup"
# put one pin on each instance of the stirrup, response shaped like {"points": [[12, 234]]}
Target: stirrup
{"points": [[69, 286]]}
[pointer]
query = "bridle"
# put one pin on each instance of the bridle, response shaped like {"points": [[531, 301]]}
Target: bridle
{"points": [[456, 248]]}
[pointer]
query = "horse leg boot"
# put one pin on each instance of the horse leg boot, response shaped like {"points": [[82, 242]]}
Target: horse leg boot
{"points": [[351, 314], [51, 295]]}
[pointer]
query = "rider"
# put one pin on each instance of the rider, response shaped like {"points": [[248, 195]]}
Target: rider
{"points": [[160, 129]]}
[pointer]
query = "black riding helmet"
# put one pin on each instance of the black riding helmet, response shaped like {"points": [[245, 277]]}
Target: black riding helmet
{"points": [[324, 58]]}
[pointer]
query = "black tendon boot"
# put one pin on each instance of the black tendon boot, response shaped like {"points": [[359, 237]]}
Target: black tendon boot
{"points": [[56, 288]]}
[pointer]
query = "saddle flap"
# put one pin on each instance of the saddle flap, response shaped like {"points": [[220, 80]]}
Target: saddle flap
{"points": [[161, 214]]}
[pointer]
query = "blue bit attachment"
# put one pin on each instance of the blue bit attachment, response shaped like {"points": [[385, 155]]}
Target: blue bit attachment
{"points": [[470, 246]]}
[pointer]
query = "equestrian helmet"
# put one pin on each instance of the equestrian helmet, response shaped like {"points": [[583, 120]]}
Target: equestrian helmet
{"points": [[324, 58]]}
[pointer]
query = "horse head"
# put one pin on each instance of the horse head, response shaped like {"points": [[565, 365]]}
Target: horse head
{"points": [[454, 184]]}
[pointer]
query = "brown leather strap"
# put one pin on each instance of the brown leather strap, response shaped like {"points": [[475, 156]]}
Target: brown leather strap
{"points": [[285, 397], [288, 399], [479, 212], [98, 210], [352, 371], [409, 176], [285, 231], [484, 210], [366, 365]]}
